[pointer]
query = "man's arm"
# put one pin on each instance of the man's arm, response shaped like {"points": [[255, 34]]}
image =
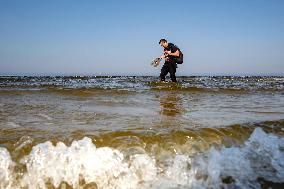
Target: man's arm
{"points": [[176, 53]]}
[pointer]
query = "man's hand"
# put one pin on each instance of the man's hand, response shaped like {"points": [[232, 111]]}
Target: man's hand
{"points": [[164, 57], [168, 52]]}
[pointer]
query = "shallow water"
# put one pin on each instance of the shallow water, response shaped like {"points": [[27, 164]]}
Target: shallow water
{"points": [[133, 132]]}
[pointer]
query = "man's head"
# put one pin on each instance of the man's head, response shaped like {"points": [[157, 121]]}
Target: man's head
{"points": [[163, 43]]}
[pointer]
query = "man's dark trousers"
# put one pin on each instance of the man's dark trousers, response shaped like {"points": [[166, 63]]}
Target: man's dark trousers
{"points": [[169, 66]]}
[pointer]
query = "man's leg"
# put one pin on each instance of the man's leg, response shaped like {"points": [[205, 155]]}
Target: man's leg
{"points": [[172, 70], [164, 72]]}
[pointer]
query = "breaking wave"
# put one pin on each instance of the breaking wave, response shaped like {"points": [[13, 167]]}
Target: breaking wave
{"points": [[257, 163]]}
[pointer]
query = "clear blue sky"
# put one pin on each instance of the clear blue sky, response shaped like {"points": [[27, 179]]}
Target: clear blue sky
{"points": [[117, 37]]}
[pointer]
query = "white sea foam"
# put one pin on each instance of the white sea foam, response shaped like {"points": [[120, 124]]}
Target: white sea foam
{"points": [[261, 156], [104, 166], [6, 166], [12, 125], [45, 117]]}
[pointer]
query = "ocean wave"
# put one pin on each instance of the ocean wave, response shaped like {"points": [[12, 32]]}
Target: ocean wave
{"points": [[257, 163], [135, 83]]}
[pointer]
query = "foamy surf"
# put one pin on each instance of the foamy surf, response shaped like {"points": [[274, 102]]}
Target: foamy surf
{"points": [[258, 161]]}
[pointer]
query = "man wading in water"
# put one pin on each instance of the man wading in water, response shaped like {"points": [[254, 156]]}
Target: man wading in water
{"points": [[172, 56]]}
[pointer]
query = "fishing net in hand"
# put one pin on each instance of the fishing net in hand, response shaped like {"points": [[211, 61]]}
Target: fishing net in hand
{"points": [[156, 62]]}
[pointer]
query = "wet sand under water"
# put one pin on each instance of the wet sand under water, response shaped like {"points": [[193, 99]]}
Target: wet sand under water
{"points": [[136, 133]]}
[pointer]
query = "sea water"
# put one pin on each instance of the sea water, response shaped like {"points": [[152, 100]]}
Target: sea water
{"points": [[134, 132]]}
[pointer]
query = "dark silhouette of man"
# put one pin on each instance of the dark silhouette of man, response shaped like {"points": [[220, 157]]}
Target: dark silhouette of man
{"points": [[171, 52]]}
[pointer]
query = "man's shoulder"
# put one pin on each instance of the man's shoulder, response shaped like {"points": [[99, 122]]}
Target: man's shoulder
{"points": [[173, 47]]}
